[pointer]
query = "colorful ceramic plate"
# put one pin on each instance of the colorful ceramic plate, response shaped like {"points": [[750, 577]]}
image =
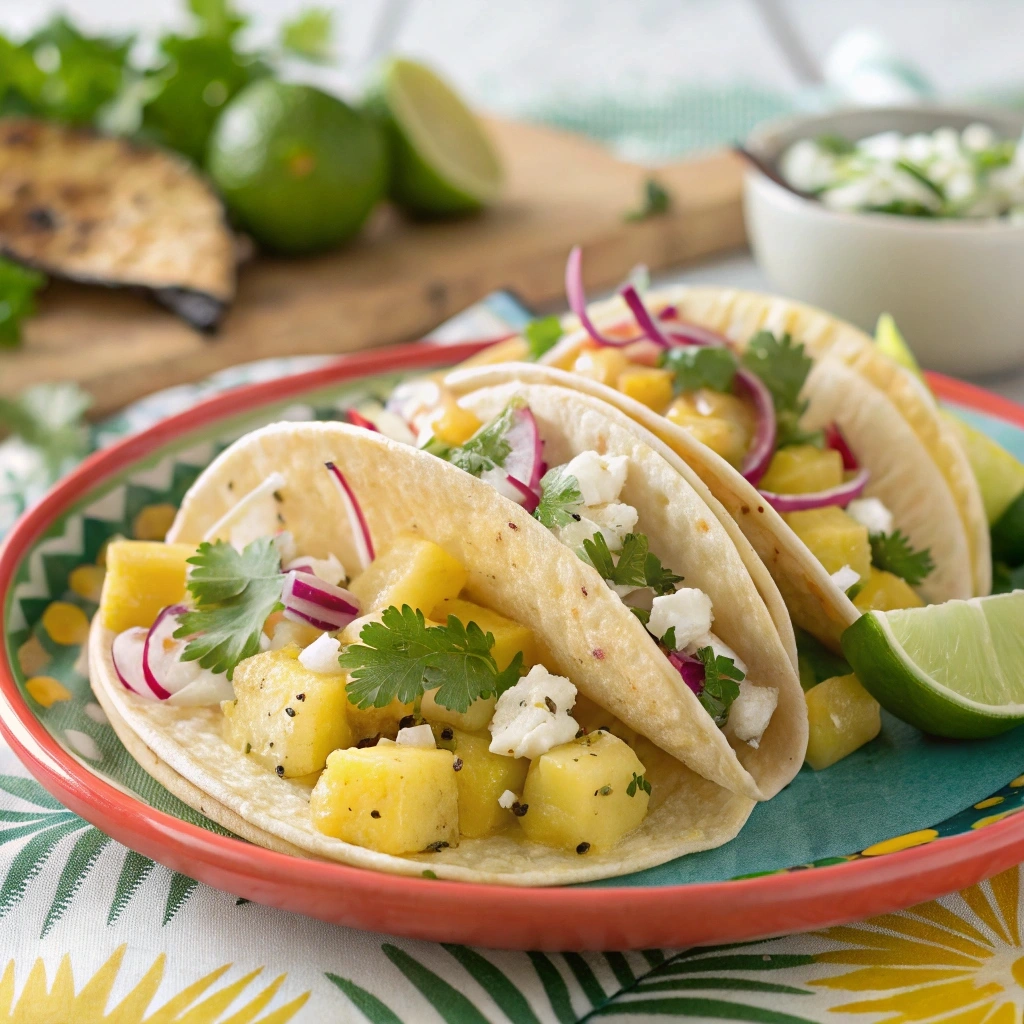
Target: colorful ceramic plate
{"points": [[904, 819]]}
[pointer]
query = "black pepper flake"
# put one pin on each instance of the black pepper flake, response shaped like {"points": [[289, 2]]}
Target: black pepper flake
{"points": [[519, 809], [368, 741], [583, 847], [280, 518], [374, 814], [280, 768], [277, 496], [300, 696], [457, 764], [580, 733], [407, 722], [290, 712], [551, 706], [436, 847], [584, 589], [231, 485], [447, 733], [576, 516], [248, 747], [271, 743]]}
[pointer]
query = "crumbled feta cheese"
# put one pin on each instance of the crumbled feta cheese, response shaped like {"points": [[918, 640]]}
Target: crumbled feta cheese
{"points": [[720, 648], [417, 736], [385, 742], [322, 655], [600, 477], [328, 569], [751, 711], [845, 578], [254, 516], [507, 799], [870, 512], [688, 611], [614, 518], [534, 715]]}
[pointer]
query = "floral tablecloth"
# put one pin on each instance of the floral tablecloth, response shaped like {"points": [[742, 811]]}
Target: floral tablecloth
{"points": [[91, 931]]}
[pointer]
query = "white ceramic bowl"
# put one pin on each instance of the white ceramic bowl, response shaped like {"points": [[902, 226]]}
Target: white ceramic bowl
{"points": [[955, 287]]}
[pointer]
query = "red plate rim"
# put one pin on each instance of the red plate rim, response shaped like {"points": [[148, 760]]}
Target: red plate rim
{"points": [[497, 916]]}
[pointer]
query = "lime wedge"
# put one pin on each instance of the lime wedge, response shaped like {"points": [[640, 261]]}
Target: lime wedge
{"points": [[894, 345], [442, 160], [953, 669]]}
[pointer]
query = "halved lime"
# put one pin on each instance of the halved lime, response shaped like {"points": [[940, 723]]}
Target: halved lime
{"points": [[953, 669], [1000, 476], [442, 161]]}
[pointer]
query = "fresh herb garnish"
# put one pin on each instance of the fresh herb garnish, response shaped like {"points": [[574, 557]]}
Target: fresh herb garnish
{"points": [[817, 663], [638, 782], [643, 614], [655, 201], [834, 144], [700, 367], [18, 287], [542, 335], [309, 35], [48, 417], [892, 552], [721, 677], [400, 657], [783, 366], [636, 566], [234, 592], [559, 497], [488, 448], [669, 639]]}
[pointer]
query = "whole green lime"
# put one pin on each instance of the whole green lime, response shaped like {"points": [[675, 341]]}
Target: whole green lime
{"points": [[299, 170]]}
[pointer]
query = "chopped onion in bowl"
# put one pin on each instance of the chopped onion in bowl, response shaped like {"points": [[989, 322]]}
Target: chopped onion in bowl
{"points": [[357, 521], [307, 598], [841, 495]]}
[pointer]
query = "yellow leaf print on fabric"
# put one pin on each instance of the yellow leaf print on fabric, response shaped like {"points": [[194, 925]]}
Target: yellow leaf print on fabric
{"points": [[934, 963], [38, 1004]]}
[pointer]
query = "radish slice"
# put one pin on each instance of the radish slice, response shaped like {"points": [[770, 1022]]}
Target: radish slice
{"points": [[356, 520], [578, 300], [415, 403], [528, 498], [527, 456], [834, 439], [511, 488], [357, 419], [307, 598], [841, 495], [160, 644], [690, 669], [126, 653]]}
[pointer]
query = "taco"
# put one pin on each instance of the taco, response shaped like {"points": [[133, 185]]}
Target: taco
{"points": [[833, 460], [471, 699]]}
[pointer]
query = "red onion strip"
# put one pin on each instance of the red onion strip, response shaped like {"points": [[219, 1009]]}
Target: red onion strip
{"points": [[834, 439], [690, 669], [151, 680], [578, 300], [841, 495], [307, 598], [357, 521], [357, 419], [530, 499]]}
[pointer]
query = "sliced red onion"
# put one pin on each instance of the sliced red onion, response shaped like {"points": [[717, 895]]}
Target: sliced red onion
{"points": [[834, 439], [126, 653], [357, 419], [528, 498], [841, 495], [691, 669], [307, 598], [668, 313], [153, 655], [524, 462], [643, 317], [578, 300], [357, 521], [509, 487]]}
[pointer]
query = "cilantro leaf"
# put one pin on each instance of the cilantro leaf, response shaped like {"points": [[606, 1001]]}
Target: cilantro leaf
{"points": [[636, 566], [721, 677], [18, 286], [783, 367], [638, 782], [656, 200], [643, 614], [309, 34], [49, 417], [541, 335], [892, 552], [559, 496], [488, 447], [234, 592], [658, 578], [400, 657], [700, 367], [669, 639]]}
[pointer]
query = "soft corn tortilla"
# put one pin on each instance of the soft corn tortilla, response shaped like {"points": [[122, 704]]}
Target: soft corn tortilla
{"points": [[182, 748], [918, 468]]}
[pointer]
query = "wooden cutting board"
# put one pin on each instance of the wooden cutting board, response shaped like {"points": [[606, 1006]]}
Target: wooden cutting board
{"points": [[400, 279]]}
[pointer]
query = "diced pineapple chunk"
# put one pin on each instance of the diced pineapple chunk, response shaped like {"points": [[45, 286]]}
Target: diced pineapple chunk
{"points": [[885, 592], [803, 469], [366, 723], [142, 577], [584, 795], [717, 419], [842, 716], [509, 637], [455, 425], [411, 571], [473, 719], [835, 538], [648, 385], [285, 716], [601, 364], [284, 632], [389, 798], [482, 777]]}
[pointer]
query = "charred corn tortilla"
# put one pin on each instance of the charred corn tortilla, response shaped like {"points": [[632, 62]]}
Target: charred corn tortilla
{"points": [[919, 469]]}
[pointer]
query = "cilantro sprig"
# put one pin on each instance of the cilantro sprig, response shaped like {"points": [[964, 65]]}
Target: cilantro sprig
{"points": [[783, 366], [636, 565], [700, 367], [542, 335], [638, 782], [18, 287], [892, 552], [401, 657], [655, 200], [721, 679], [488, 448], [234, 592], [560, 496]]}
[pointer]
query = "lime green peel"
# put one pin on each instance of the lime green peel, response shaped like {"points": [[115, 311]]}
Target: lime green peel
{"points": [[953, 669]]}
